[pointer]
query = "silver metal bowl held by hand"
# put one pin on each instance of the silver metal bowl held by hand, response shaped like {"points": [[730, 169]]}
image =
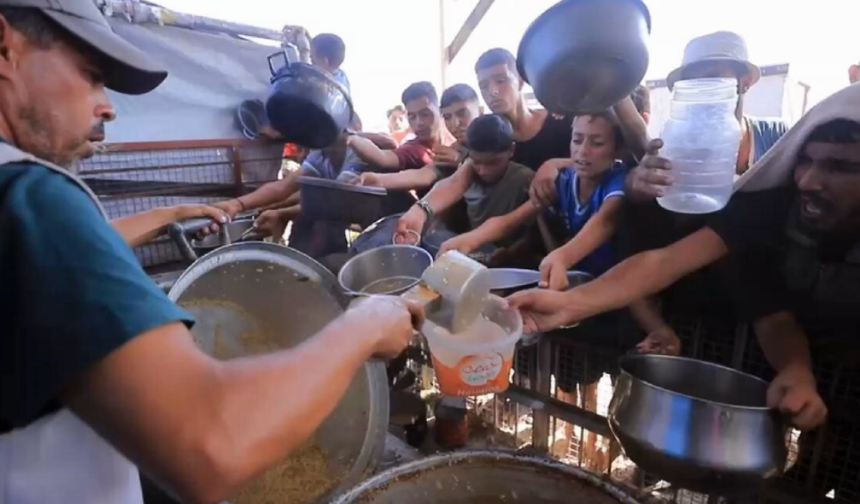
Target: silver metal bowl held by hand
{"points": [[697, 425], [390, 270], [584, 56]]}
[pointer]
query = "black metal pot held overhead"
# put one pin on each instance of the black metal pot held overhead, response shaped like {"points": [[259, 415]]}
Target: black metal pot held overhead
{"points": [[584, 56], [305, 104]]}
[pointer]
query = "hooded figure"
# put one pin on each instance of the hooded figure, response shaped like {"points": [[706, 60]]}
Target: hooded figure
{"points": [[794, 223]]}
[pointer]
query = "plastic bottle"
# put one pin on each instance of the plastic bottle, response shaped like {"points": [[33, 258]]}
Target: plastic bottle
{"points": [[701, 139]]}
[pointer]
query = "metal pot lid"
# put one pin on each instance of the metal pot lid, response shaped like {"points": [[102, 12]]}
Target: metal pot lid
{"points": [[340, 186]]}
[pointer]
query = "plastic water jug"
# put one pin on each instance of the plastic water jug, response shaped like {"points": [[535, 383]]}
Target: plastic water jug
{"points": [[701, 139]]}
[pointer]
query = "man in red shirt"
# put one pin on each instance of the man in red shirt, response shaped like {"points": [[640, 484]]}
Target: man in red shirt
{"points": [[422, 108]]}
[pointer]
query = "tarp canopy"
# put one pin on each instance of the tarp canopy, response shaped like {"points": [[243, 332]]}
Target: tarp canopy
{"points": [[210, 75]]}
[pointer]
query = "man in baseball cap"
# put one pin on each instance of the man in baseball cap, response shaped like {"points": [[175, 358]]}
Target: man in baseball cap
{"points": [[126, 69], [100, 373]]}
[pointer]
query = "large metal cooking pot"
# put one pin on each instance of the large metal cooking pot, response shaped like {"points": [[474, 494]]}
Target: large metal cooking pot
{"points": [[584, 56], [244, 290], [697, 425], [481, 477], [306, 105], [388, 270]]}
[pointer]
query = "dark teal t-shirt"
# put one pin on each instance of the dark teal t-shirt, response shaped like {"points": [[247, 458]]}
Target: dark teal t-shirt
{"points": [[72, 291]]}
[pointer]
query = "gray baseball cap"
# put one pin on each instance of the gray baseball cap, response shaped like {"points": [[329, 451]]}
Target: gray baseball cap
{"points": [[126, 68], [715, 47]]}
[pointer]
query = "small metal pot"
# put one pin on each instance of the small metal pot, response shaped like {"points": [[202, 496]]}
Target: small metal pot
{"points": [[697, 425], [584, 56], [306, 105], [388, 270]]}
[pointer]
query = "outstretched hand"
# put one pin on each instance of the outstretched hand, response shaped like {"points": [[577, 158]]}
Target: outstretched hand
{"points": [[543, 310]]}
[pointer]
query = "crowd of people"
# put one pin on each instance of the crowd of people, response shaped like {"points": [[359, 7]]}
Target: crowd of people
{"points": [[523, 187], [101, 373]]}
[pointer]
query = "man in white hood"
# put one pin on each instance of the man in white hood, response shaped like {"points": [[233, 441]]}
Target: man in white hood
{"points": [[798, 211]]}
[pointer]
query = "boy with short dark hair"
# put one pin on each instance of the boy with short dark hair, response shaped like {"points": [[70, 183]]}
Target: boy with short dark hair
{"points": [[459, 106], [491, 184], [328, 51]]}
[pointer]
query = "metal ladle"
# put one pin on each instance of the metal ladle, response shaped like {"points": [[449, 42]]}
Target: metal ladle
{"points": [[453, 290]]}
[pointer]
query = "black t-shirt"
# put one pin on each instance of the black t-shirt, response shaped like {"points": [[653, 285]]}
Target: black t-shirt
{"points": [[749, 220], [551, 142]]}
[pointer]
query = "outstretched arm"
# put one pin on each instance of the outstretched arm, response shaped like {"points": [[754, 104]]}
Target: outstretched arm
{"points": [[641, 275], [493, 230], [373, 155], [144, 227]]}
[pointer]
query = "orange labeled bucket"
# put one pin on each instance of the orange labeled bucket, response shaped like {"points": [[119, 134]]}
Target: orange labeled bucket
{"points": [[477, 361]]}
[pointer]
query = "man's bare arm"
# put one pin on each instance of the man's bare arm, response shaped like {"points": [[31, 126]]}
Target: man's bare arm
{"points": [[783, 342], [633, 127], [144, 227], [368, 152], [381, 140], [203, 428], [646, 274], [449, 191], [406, 180]]}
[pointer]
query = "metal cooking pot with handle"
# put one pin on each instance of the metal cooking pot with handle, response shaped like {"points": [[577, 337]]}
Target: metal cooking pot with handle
{"points": [[697, 425], [305, 104], [255, 296], [192, 247], [584, 56]]}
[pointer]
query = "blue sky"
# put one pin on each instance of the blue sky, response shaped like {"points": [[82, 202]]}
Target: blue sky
{"points": [[391, 43]]}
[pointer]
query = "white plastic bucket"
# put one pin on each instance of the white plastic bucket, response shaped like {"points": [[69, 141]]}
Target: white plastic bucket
{"points": [[468, 365]]}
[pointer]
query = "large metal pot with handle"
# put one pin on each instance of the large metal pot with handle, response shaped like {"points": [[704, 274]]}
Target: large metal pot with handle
{"points": [[483, 477], [697, 425], [256, 297]]}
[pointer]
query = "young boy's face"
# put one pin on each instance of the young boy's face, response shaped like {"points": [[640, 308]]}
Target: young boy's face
{"points": [[490, 167], [592, 146], [458, 116]]}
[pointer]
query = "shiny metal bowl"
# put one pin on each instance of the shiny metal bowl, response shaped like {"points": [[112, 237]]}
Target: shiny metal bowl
{"points": [[697, 425], [388, 270]]}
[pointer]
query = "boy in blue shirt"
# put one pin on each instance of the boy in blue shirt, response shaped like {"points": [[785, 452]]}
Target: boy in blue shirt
{"points": [[590, 202], [591, 197]]}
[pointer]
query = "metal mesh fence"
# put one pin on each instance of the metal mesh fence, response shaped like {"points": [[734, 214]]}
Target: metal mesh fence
{"points": [[823, 466], [130, 179]]}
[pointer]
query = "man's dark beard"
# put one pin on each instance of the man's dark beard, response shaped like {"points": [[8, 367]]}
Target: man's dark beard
{"points": [[37, 139]]}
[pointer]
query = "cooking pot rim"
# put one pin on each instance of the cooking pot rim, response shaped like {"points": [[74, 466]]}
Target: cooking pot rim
{"points": [[380, 480], [628, 358], [351, 262], [551, 13]]}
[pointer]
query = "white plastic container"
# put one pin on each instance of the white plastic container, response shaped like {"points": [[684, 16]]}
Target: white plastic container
{"points": [[477, 361], [701, 139]]}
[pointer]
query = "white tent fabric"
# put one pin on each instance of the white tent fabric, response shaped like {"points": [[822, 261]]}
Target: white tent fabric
{"points": [[210, 75]]}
